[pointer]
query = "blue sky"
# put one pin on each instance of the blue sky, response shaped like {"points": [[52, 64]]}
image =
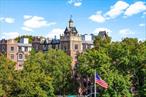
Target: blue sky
{"points": [[121, 18]]}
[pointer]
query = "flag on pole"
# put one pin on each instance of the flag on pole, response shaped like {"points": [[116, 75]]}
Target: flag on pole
{"points": [[101, 82]]}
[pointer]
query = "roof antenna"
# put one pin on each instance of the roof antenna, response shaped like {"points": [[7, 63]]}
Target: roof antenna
{"points": [[70, 16]]}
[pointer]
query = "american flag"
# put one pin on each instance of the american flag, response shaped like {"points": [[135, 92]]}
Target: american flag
{"points": [[101, 82]]}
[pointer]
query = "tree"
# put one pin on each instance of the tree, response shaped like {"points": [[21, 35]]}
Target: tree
{"points": [[34, 82], [54, 63], [44, 74], [108, 59], [121, 64], [92, 60], [7, 76], [30, 82]]}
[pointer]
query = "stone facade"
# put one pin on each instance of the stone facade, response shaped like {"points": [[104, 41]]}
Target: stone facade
{"points": [[24, 47], [70, 41], [16, 51], [12, 50]]}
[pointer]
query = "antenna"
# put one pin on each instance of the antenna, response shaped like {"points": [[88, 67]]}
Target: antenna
{"points": [[70, 16]]}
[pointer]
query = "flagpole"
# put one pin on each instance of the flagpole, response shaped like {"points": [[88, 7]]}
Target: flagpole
{"points": [[95, 84]]}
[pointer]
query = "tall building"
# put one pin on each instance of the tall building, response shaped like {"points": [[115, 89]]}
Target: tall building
{"points": [[12, 50], [36, 43], [71, 42], [24, 47]]}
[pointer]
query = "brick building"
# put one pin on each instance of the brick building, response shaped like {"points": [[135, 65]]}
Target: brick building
{"points": [[70, 41]]}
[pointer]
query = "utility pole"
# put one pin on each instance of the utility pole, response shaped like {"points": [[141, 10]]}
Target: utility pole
{"points": [[95, 84]]}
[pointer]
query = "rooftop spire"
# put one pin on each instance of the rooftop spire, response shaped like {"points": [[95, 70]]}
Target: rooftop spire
{"points": [[71, 22], [70, 16]]}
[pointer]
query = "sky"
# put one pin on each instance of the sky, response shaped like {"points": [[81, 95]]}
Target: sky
{"points": [[120, 18]]}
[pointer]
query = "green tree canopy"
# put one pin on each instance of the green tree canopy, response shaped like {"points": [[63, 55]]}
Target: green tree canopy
{"points": [[54, 63], [120, 64], [7, 76]]}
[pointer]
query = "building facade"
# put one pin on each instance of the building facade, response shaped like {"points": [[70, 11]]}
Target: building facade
{"points": [[24, 47], [12, 50], [70, 41]]}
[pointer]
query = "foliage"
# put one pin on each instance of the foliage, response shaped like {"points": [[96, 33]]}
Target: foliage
{"points": [[23, 83], [44, 74], [54, 63], [120, 64], [7, 76]]}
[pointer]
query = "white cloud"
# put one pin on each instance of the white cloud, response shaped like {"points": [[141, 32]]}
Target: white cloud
{"points": [[26, 29], [117, 9], [70, 1], [135, 8], [75, 3], [142, 25], [55, 32], [97, 17], [126, 32], [37, 22], [27, 16], [7, 20], [9, 35], [96, 31]]}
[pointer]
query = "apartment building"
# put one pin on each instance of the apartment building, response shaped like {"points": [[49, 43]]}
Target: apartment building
{"points": [[12, 49], [23, 49], [70, 41]]}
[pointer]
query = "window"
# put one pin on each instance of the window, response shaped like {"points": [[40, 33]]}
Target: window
{"points": [[20, 56], [12, 56], [75, 58], [65, 48], [26, 49], [3, 48], [19, 48], [12, 48], [20, 65], [37, 47], [76, 46]]}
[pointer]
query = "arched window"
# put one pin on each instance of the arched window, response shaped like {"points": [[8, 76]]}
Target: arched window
{"points": [[20, 56]]}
